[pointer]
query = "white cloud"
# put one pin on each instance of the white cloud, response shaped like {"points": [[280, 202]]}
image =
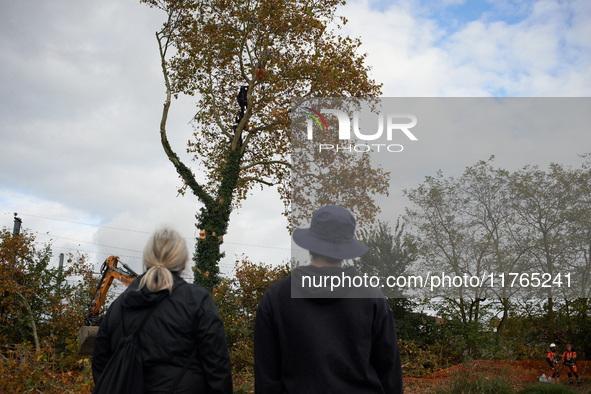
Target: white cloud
{"points": [[415, 55], [81, 97]]}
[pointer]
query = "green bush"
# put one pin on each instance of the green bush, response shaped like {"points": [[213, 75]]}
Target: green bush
{"points": [[237, 300], [546, 388]]}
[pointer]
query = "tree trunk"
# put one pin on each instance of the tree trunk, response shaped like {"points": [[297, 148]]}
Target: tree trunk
{"points": [[551, 328], [213, 220], [32, 319], [501, 326], [584, 321]]}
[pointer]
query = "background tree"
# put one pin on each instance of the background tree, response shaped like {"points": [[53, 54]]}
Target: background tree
{"points": [[581, 228], [544, 203], [18, 285], [581, 235], [449, 239], [389, 254], [270, 51], [554, 206], [41, 310], [492, 221], [471, 225], [488, 208], [38, 302]]}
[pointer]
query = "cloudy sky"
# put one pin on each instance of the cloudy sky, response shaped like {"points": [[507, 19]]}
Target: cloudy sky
{"points": [[82, 93]]}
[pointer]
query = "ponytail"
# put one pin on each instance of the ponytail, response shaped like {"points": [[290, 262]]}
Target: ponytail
{"points": [[165, 253]]}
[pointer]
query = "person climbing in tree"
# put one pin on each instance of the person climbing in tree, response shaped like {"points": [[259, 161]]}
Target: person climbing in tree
{"points": [[569, 360], [552, 360]]}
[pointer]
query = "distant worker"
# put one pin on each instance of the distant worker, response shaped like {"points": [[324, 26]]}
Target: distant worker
{"points": [[569, 360], [552, 360]]}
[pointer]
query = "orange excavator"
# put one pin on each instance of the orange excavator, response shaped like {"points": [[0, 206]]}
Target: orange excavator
{"points": [[111, 269]]}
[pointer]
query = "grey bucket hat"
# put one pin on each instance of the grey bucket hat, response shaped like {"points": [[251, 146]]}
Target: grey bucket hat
{"points": [[331, 233]]}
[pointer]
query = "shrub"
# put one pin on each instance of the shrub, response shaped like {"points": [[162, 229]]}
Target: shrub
{"points": [[475, 380], [477, 385], [237, 301], [421, 361], [40, 314], [24, 369], [37, 303], [546, 388]]}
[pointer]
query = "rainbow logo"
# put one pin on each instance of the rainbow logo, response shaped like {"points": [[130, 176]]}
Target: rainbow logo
{"points": [[317, 117]]}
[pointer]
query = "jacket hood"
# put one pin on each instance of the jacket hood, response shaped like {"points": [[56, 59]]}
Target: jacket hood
{"points": [[327, 284], [134, 298]]}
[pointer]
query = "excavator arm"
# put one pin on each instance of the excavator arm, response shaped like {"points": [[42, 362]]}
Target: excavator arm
{"points": [[111, 269]]}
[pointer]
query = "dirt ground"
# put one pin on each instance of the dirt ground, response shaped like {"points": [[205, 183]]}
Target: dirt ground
{"points": [[521, 373]]}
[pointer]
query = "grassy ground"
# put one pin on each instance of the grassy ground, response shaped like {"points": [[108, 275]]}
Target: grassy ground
{"points": [[428, 386]]}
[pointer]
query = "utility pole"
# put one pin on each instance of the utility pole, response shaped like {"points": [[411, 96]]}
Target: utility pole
{"points": [[16, 230], [61, 263]]}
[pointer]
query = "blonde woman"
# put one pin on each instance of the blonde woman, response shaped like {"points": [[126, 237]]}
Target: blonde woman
{"points": [[182, 343]]}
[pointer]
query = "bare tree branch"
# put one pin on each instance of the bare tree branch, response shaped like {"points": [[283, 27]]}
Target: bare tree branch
{"points": [[261, 163], [248, 179], [184, 171], [216, 114]]}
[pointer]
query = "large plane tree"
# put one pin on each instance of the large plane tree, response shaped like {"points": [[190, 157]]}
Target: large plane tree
{"points": [[244, 61]]}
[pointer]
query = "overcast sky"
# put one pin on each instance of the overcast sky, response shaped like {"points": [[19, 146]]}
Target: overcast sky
{"points": [[82, 93]]}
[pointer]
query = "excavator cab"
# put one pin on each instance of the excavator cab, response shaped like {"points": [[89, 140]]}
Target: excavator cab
{"points": [[111, 269]]}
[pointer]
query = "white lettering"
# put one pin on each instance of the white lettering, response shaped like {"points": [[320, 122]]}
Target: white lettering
{"points": [[365, 137], [344, 123], [401, 126], [395, 145]]}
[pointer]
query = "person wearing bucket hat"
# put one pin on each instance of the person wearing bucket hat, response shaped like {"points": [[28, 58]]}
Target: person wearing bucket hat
{"points": [[331, 234], [322, 339]]}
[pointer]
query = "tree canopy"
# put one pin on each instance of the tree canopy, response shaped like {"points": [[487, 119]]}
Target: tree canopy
{"points": [[530, 223], [244, 62]]}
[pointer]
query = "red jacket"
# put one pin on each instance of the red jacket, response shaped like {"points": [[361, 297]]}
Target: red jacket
{"points": [[569, 358], [552, 359]]}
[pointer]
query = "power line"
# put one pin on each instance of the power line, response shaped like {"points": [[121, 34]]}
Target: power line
{"points": [[97, 252], [90, 243], [141, 232], [257, 246], [86, 224], [221, 264], [112, 247]]}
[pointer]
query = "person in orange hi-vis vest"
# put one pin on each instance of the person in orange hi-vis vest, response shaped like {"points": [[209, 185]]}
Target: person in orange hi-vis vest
{"points": [[552, 360], [569, 360]]}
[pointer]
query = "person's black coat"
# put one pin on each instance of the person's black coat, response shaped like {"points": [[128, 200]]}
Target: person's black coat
{"points": [[184, 319], [325, 345]]}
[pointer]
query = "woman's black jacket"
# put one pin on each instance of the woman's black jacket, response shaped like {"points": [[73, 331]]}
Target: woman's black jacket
{"points": [[183, 320]]}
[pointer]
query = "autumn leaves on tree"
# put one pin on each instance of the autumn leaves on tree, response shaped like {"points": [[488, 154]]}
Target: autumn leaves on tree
{"points": [[274, 51]]}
